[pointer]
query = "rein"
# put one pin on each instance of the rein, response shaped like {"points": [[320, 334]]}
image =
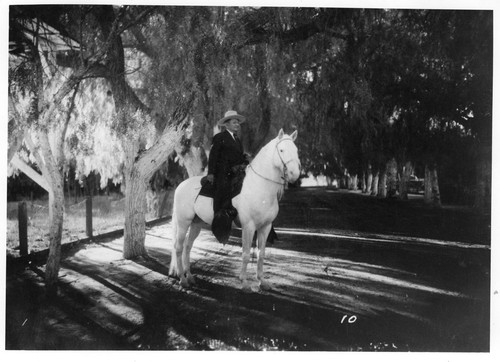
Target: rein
{"points": [[285, 168], [265, 178]]}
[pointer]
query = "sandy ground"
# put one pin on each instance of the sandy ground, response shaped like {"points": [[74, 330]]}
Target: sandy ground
{"points": [[332, 290]]}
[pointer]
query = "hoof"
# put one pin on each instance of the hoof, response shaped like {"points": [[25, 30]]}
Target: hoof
{"points": [[191, 280], [246, 287], [184, 283], [263, 285]]}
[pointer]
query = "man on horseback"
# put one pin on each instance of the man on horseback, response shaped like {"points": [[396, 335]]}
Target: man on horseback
{"points": [[226, 163], [257, 202], [226, 170]]}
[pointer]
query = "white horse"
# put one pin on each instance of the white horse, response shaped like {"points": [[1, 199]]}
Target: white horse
{"points": [[275, 165]]}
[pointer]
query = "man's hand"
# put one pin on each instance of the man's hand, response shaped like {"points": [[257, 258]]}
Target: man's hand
{"points": [[238, 168], [210, 178]]}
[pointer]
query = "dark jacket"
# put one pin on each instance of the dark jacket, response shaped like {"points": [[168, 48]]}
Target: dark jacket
{"points": [[226, 152]]}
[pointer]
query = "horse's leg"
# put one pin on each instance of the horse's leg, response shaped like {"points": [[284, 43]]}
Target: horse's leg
{"points": [[262, 235], [194, 231], [176, 266], [247, 236]]}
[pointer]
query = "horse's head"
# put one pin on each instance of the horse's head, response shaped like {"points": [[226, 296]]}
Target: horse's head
{"points": [[286, 157]]}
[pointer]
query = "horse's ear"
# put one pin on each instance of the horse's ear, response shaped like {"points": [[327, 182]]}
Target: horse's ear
{"points": [[280, 134], [294, 135]]}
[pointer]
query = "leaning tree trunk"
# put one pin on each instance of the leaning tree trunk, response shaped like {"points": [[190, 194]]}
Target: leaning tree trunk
{"points": [[133, 122], [138, 172], [432, 195], [51, 161]]}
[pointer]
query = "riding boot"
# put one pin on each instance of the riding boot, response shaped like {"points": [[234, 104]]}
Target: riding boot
{"points": [[222, 224], [231, 212]]}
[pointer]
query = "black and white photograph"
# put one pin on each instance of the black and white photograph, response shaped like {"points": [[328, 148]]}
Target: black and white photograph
{"points": [[275, 177]]}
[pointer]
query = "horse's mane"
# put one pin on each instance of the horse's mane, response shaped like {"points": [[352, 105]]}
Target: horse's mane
{"points": [[264, 149]]}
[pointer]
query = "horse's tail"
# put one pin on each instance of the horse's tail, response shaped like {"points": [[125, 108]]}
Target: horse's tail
{"points": [[173, 260]]}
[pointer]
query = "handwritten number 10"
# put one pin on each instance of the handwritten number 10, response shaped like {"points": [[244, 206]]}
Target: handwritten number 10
{"points": [[350, 320]]}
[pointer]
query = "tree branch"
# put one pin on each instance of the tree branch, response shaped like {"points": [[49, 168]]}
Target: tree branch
{"points": [[35, 151], [142, 45], [16, 128], [60, 142], [291, 36], [157, 154], [262, 31], [138, 18]]}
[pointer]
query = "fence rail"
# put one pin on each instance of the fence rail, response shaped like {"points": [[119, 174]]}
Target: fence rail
{"points": [[41, 255]]}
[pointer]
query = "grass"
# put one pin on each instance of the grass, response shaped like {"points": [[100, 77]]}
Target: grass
{"points": [[108, 214]]}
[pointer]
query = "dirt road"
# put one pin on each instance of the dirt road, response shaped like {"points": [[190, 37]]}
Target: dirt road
{"points": [[333, 290]]}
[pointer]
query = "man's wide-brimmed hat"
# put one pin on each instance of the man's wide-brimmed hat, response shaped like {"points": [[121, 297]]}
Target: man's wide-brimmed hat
{"points": [[231, 115]]}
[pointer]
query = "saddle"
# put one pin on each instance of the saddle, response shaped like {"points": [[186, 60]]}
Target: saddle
{"points": [[208, 189], [223, 219], [221, 225]]}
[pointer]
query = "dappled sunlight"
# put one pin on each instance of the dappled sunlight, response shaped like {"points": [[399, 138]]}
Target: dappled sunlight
{"points": [[361, 288], [98, 254], [315, 285], [344, 285]]}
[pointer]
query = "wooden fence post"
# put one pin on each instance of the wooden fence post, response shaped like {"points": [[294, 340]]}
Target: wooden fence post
{"points": [[22, 216], [88, 213]]}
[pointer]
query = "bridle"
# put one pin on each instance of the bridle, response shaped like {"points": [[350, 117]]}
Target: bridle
{"points": [[284, 177]]}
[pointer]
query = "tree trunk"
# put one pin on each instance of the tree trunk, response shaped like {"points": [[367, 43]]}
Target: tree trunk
{"points": [[202, 123], [68, 188], [406, 172], [135, 215], [432, 196], [482, 195], [260, 64], [363, 183], [138, 172], [56, 218], [51, 162], [392, 175], [354, 182], [374, 191], [369, 180], [56, 211], [349, 181], [134, 119], [382, 184]]}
